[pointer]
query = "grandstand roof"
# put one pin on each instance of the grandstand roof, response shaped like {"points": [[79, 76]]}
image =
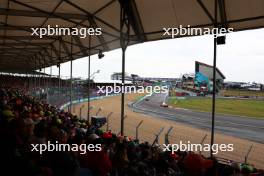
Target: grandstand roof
{"points": [[197, 63], [23, 72], [19, 50]]}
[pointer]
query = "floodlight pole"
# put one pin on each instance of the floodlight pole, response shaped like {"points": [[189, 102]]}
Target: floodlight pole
{"points": [[124, 41], [214, 82], [89, 77]]}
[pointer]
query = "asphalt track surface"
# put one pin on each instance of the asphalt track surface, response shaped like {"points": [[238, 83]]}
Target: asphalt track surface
{"points": [[241, 127]]}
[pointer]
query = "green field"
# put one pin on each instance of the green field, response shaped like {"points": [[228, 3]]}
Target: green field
{"points": [[250, 108], [241, 93]]}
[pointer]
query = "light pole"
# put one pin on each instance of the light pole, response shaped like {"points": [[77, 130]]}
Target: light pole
{"points": [[100, 55]]}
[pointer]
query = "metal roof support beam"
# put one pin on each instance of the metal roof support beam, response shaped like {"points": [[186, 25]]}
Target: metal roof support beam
{"points": [[58, 16], [7, 60], [65, 48], [91, 15], [16, 55], [14, 12], [124, 41], [30, 37], [97, 47], [82, 48], [49, 55], [46, 19], [24, 49], [42, 63], [53, 49], [21, 44], [39, 61], [91, 21], [135, 20], [55, 38], [9, 48], [60, 52], [206, 11], [103, 7], [11, 54], [5, 27], [46, 52], [22, 41], [222, 13], [219, 23]]}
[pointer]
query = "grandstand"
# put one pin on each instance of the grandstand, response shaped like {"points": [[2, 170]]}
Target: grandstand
{"points": [[202, 79], [29, 106]]}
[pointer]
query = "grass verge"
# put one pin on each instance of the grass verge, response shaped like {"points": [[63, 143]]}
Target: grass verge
{"points": [[249, 108]]}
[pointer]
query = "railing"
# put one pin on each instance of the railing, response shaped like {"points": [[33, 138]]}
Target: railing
{"points": [[244, 151]]}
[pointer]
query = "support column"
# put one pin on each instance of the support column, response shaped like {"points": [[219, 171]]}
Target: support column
{"points": [[35, 75], [214, 82], [59, 90], [59, 67], [71, 79], [44, 76], [50, 69], [51, 76], [89, 79], [39, 83], [124, 41]]}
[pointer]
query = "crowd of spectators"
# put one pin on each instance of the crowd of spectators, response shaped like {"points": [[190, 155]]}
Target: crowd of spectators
{"points": [[31, 81], [25, 121]]}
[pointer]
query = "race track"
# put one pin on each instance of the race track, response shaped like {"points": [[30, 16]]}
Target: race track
{"points": [[242, 127]]}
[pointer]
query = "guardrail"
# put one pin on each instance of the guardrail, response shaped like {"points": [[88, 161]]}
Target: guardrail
{"points": [[245, 152], [66, 105]]}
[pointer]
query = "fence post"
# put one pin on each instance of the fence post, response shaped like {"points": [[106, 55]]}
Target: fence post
{"points": [[81, 111], [91, 107], [99, 110], [167, 135], [138, 128], [202, 141], [156, 140], [249, 150], [125, 116], [73, 107], [107, 121]]}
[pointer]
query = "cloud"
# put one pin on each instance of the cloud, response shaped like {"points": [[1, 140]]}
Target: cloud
{"points": [[241, 59]]}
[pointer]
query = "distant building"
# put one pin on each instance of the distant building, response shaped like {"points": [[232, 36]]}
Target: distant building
{"points": [[118, 76], [243, 86], [202, 79], [207, 70], [136, 79], [188, 80]]}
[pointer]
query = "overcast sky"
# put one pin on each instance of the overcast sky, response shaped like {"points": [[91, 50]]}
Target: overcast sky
{"points": [[240, 59]]}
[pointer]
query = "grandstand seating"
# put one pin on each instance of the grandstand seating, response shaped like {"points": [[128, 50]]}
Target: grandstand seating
{"points": [[25, 120]]}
